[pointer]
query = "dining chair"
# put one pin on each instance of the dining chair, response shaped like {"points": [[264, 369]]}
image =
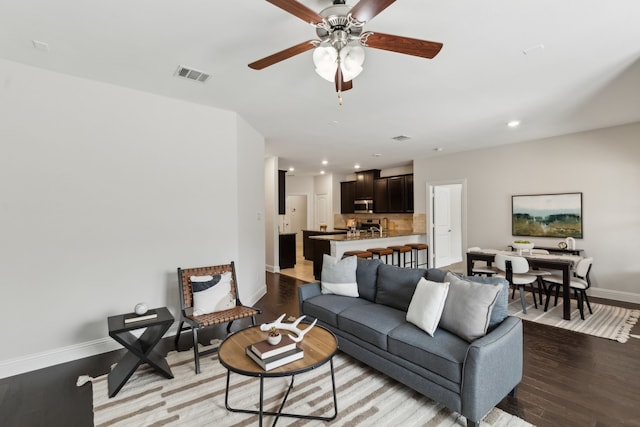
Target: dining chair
{"points": [[481, 270], [580, 282], [540, 273], [517, 275]]}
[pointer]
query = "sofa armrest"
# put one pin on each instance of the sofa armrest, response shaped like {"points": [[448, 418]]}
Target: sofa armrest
{"points": [[492, 368], [307, 291]]}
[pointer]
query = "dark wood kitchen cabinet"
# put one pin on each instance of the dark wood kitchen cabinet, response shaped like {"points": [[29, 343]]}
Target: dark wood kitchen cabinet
{"points": [[394, 194], [381, 195], [287, 250], [364, 183], [408, 193], [347, 196], [282, 195]]}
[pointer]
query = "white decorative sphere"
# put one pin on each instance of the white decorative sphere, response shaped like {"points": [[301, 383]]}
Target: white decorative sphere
{"points": [[141, 308]]}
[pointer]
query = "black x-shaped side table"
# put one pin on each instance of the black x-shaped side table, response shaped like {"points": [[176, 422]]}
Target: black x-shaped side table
{"points": [[140, 350]]}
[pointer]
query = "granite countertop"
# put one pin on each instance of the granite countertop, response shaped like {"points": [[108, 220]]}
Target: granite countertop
{"points": [[365, 236]]}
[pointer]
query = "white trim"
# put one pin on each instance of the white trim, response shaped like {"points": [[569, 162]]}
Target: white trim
{"points": [[48, 358], [463, 219], [614, 295], [272, 268]]}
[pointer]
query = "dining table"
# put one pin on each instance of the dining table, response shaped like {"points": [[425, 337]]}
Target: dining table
{"points": [[563, 263]]}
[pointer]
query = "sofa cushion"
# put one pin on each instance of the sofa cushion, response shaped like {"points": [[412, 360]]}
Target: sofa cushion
{"points": [[327, 307], [467, 310], [436, 274], [444, 353], [339, 276], [371, 322], [427, 304], [366, 276], [395, 285]]}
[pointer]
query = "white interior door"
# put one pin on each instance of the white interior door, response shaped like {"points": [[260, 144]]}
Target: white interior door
{"points": [[323, 210], [296, 206], [447, 224]]}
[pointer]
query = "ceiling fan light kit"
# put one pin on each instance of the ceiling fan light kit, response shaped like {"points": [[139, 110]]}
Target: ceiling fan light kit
{"points": [[338, 55]]}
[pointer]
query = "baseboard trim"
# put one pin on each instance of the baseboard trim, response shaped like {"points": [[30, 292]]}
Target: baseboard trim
{"points": [[615, 295], [32, 362]]}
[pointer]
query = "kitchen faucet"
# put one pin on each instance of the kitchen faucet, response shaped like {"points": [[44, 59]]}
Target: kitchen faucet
{"points": [[374, 229]]}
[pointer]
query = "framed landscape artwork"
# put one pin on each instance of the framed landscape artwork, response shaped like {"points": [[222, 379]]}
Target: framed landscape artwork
{"points": [[547, 215]]}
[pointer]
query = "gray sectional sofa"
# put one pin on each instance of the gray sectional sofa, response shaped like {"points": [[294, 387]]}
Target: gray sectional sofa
{"points": [[469, 378]]}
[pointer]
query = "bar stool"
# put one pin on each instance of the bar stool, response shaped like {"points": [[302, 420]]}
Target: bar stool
{"points": [[380, 252], [359, 254], [402, 249], [415, 250]]}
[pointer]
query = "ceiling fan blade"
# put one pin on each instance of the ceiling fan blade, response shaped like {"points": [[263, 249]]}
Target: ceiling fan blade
{"points": [[284, 54], [298, 9], [341, 85], [365, 10], [406, 45]]}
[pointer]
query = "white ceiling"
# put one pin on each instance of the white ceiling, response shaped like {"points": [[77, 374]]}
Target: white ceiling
{"points": [[586, 75]]}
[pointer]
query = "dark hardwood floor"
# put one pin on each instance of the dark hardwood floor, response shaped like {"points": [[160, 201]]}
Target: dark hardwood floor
{"points": [[570, 379]]}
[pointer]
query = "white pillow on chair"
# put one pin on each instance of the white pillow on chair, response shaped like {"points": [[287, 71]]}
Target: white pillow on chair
{"points": [[212, 293]]}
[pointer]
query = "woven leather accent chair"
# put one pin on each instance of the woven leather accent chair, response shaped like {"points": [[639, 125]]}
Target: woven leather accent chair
{"points": [[189, 321]]}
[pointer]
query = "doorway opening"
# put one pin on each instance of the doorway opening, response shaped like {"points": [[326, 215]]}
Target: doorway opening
{"points": [[446, 222]]}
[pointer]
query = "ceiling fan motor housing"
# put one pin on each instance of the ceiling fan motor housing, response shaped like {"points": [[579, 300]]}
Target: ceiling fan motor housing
{"points": [[339, 29]]}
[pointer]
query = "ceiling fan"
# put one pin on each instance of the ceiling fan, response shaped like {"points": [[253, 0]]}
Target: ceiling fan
{"points": [[338, 54]]}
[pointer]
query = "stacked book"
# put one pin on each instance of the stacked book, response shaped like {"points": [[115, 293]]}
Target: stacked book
{"points": [[269, 356]]}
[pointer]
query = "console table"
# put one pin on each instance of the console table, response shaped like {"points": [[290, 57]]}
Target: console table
{"points": [[557, 250], [139, 350]]}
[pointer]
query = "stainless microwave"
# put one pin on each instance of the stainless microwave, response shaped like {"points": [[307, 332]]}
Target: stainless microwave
{"points": [[363, 206]]}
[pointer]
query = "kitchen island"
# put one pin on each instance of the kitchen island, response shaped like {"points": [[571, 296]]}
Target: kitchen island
{"points": [[337, 244]]}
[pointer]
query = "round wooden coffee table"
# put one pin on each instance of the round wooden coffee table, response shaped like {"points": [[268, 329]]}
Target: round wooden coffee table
{"points": [[319, 345]]}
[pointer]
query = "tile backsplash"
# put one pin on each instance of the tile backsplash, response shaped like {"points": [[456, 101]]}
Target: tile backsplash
{"points": [[400, 222]]}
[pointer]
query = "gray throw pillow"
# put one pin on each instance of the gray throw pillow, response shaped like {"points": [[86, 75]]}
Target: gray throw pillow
{"points": [[467, 310], [396, 285], [366, 276], [501, 308], [339, 276]]}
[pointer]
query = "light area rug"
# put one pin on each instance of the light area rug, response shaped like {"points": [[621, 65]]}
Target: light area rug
{"points": [[614, 323], [365, 398]]}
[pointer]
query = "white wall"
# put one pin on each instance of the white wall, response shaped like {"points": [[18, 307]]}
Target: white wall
{"points": [[603, 164], [272, 256], [105, 191]]}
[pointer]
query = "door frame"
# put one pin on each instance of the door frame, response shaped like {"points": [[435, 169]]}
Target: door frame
{"points": [[463, 216]]}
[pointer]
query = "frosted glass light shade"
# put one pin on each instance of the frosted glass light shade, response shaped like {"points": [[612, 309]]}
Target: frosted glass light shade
{"points": [[325, 59], [351, 59]]}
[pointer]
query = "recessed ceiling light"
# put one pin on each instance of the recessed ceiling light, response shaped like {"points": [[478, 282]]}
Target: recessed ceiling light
{"points": [[356, 166], [291, 169], [321, 172], [325, 162], [514, 123]]}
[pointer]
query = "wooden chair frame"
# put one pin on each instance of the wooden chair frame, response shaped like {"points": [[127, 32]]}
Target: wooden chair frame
{"points": [[194, 323]]}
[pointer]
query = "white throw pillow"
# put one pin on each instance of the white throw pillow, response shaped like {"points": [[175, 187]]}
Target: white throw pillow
{"points": [[212, 293], [339, 276], [427, 304]]}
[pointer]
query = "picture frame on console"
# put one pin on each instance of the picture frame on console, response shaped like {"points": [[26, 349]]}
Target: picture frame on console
{"points": [[547, 215]]}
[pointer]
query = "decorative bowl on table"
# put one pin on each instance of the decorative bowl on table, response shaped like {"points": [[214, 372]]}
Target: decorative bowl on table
{"points": [[522, 245]]}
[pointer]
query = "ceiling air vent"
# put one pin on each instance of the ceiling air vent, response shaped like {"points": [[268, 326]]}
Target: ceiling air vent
{"points": [[401, 138], [192, 74]]}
